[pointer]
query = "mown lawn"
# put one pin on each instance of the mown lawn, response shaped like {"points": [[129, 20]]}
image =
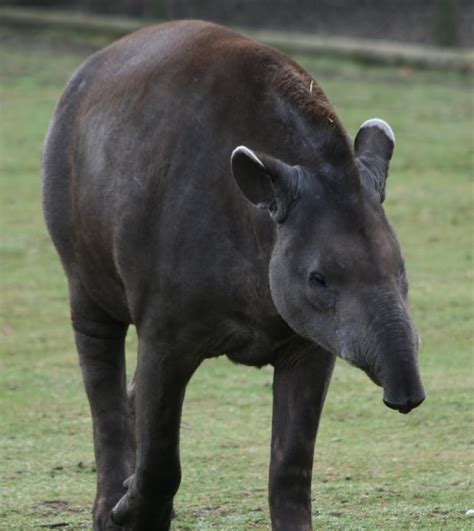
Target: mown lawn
{"points": [[375, 469]]}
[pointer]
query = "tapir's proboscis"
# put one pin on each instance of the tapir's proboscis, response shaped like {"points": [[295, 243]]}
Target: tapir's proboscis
{"points": [[199, 186]]}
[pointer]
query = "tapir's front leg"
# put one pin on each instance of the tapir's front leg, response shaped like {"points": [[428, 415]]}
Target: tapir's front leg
{"points": [[160, 382], [299, 389]]}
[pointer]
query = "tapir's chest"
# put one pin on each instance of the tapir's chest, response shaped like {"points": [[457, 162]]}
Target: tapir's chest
{"points": [[249, 343]]}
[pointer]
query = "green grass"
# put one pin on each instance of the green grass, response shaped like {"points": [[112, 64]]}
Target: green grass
{"points": [[374, 469]]}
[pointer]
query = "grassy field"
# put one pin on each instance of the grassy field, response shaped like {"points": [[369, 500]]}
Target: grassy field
{"points": [[375, 469]]}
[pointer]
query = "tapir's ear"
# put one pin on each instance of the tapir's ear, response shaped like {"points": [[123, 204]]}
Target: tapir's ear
{"points": [[373, 148], [265, 181]]}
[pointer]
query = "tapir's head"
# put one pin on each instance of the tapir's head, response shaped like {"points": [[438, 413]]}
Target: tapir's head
{"points": [[337, 275]]}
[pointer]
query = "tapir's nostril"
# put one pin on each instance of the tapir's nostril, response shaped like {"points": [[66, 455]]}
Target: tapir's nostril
{"points": [[406, 407]]}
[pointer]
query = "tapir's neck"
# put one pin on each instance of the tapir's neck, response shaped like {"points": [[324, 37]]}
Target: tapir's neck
{"points": [[310, 132]]}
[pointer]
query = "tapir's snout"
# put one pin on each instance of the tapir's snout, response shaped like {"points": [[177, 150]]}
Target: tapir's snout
{"points": [[398, 373], [407, 406]]}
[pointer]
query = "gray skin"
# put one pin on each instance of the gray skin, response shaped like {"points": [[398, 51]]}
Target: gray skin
{"points": [[282, 257]]}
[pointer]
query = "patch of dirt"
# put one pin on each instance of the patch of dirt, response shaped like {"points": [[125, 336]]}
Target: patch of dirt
{"points": [[54, 511], [49, 507]]}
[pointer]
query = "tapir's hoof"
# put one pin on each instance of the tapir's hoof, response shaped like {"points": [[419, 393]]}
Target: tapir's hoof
{"points": [[102, 520], [133, 511], [106, 524], [121, 512]]}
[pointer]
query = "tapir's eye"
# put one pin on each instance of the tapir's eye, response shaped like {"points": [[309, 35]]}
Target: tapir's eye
{"points": [[317, 279]]}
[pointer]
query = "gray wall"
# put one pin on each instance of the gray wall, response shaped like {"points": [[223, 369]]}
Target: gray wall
{"points": [[446, 22], [442, 22]]}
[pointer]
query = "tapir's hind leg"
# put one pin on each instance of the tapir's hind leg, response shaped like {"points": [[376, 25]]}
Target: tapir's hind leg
{"points": [[100, 342]]}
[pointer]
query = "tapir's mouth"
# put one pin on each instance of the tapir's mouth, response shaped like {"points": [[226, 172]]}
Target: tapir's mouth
{"points": [[373, 377], [363, 366]]}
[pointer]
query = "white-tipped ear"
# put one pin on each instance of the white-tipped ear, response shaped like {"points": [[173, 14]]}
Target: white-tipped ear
{"points": [[380, 124], [265, 181], [373, 147], [243, 150]]}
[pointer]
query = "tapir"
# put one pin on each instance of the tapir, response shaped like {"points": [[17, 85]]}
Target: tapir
{"points": [[199, 186]]}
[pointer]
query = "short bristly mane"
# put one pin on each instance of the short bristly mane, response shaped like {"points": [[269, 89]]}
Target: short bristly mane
{"points": [[302, 92], [299, 88]]}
